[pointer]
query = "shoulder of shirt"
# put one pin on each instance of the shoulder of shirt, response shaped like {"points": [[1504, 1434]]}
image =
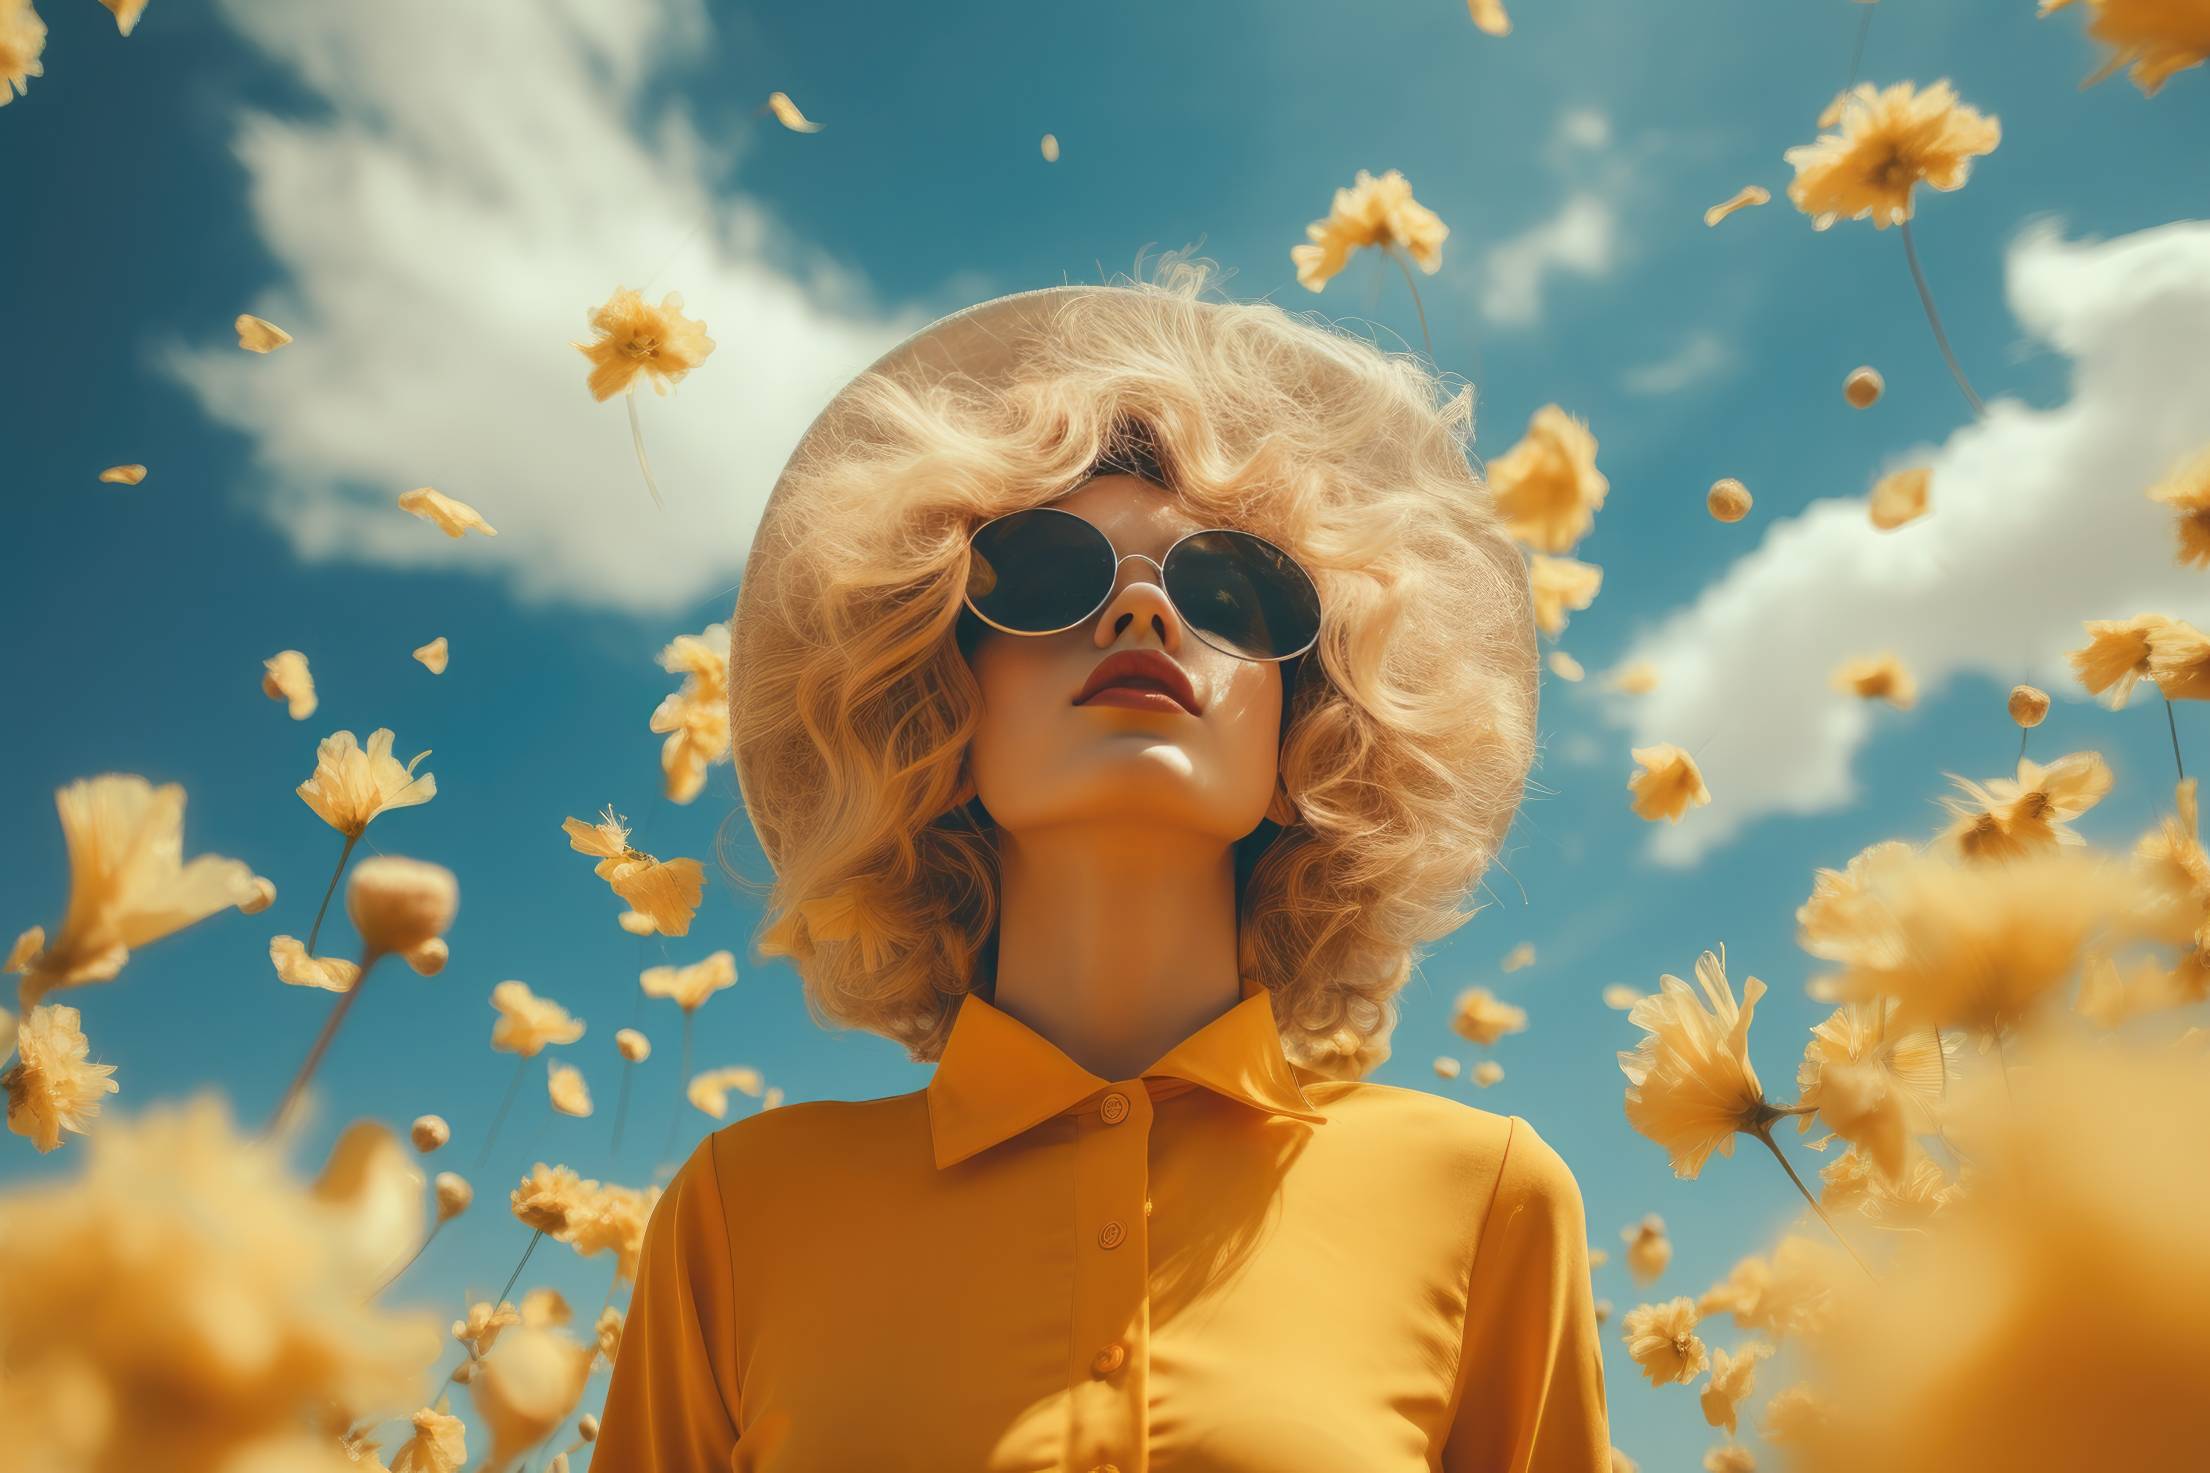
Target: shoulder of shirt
{"points": [[1504, 1149], [831, 1132]]}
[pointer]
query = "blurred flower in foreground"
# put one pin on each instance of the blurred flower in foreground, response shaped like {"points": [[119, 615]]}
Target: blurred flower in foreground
{"points": [[51, 1088], [1669, 784], [128, 883], [2174, 872], [1899, 498], [2116, 655], [2082, 1231], [2155, 37], [527, 1387], [2006, 817], [1559, 584], [1690, 1083], [695, 718], [1871, 1082], [123, 475], [203, 1305], [258, 334], [710, 1091], [1782, 1294], [1662, 1339], [439, 1445], [666, 892], [1733, 1377], [1547, 487], [1371, 212], [352, 785], [2187, 491], [1649, 1250], [1891, 141], [1489, 16], [1880, 677], [453, 518], [285, 677], [635, 337], [1742, 199], [1479, 1016], [787, 113]]}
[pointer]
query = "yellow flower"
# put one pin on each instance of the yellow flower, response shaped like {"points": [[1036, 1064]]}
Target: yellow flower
{"points": [[1733, 1377], [1547, 487], [1792, 1414], [1489, 16], [553, 1200], [695, 718], [258, 334], [1899, 498], [637, 338], [1522, 955], [2155, 37], [1564, 666], [710, 1091], [123, 475], [453, 518], [1372, 212], [1909, 1202], [2187, 490], [212, 1303], [128, 882], [1619, 995], [1742, 199], [1690, 1083], [1728, 1457], [2116, 655], [527, 1388], [1977, 946], [351, 786], [1479, 1016], [1487, 1072], [528, 1023], [22, 39], [690, 986], [610, 1336], [2108, 999], [126, 13], [1558, 584], [1876, 678], [50, 1086], [544, 1308], [616, 1222], [1669, 784], [2008, 817], [668, 893], [2028, 705], [1662, 1339], [1649, 1250], [1781, 1295], [1872, 1083], [2179, 662], [285, 677], [434, 655], [482, 1326], [564, 1083], [1636, 679], [2174, 873], [439, 1445], [1891, 140], [787, 113], [288, 954]]}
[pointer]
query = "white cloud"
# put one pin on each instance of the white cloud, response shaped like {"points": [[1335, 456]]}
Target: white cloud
{"points": [[2038, 522], [1581, 239], [1700, 356], [444, 225], [1584, 127]]}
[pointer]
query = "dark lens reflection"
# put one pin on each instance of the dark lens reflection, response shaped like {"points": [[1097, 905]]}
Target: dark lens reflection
{"points": [[1244, 593], [1039, 570]]}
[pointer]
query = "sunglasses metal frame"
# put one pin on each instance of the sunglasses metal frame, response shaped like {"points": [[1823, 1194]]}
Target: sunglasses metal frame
{"points": [[1158, 564]]}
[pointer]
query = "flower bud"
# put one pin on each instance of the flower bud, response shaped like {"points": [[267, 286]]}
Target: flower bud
{"points": [[2028, 704], [398, 904], [1862, 387], [587, 1428], [635, 1046], [264, 896], [430, 1132], [1729, 500], [453, 1195], [430, 957]]}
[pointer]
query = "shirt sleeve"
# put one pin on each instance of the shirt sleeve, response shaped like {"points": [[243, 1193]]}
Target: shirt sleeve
{"points": [[1531, 1378], [671, 1403]]}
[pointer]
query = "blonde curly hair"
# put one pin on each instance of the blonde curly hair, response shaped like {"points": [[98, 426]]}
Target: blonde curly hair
{"points": [[1408, 730]]}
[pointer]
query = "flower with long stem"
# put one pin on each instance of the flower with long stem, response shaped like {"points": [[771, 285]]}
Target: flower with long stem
{"points": [[1374, 212], [1890, 141], [636, 339], [2120, 652], [527, 1025], [351, 785], [688, 987]]}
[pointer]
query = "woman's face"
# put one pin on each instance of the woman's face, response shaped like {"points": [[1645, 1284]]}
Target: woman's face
{"points": [[1043, 758]]}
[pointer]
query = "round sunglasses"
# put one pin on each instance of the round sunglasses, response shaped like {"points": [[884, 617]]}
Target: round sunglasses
{"points": [[1041, 570]]}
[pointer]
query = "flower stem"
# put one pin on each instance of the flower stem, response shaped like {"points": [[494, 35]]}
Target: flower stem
{"points": [[2023, 732], [500, 1297], [1933, 320], [521, 1062], [621, 1109], [322, 1044], [1857, 53], [2172, 722], [332, 889], [1764, 1133], [637, 438], [1416, 306]]}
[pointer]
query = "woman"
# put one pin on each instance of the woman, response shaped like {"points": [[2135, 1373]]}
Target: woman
{"points": [[1124, 685]]}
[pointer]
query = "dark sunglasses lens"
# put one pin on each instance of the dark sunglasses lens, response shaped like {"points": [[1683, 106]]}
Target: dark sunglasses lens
{"points": [[1244, 594], [1039, 570]]}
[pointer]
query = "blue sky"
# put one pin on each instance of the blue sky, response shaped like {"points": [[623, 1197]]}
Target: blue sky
{"points": [[430, 198]]}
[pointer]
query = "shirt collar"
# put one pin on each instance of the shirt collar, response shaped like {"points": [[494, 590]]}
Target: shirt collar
{"points": [[997, 1076]]}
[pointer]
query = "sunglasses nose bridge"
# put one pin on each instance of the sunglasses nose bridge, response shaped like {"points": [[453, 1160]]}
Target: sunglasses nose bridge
{"points": [[1157, 580]]}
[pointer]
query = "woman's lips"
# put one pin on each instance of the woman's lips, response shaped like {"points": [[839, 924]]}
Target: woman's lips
{"points": [[1136, 698]]}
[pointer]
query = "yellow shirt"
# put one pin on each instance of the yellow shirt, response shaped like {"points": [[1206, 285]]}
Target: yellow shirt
{"points": [[1229, 1263]]}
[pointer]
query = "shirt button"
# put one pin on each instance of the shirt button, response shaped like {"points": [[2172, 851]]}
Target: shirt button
{"points": [[1113, 1108], [1109, 1236], [1147, 1207], [1108, 1360]]}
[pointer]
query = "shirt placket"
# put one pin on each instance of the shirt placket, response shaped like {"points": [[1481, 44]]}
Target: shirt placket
{"points": [[1109, 1354]]}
